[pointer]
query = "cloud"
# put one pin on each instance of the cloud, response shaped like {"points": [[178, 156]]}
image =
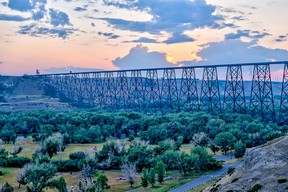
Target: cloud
{"points": [[179, 38], [166, 15], [58, 18], [35, 30], [20, 5], [246, 33], [1, 62], [236, 51], [17, 18], [139, 57], [109, 35], [71, 68], [80, 9], [144, 40]]}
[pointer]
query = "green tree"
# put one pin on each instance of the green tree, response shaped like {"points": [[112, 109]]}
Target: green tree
{"points": [[152, 177], [145, 178], [51, 146], [225, 141], [61, 185], [102, 181], [6, 188], [40, 176], [240, 149], [16, 149], [129, 171], [160, 167], [3, 156], [8, 135]]}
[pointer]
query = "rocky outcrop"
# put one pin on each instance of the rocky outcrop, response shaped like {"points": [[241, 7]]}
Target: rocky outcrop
{"points": [[265, 169]]}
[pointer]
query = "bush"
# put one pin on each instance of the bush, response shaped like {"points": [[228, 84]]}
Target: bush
{"points": [[255, 188], [1, 173], [17, 161], [66, 165], [234, 180], [77, 155], [282, 180], [230, 171]]}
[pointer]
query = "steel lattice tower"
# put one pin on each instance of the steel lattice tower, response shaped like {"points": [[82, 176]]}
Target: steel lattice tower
{"points": [[122, 90], [234, 96], [210, 94], [109, 88], [261, 100], [188, 91], [283, 117], [137, 91], [152, 89], [169, 92]]}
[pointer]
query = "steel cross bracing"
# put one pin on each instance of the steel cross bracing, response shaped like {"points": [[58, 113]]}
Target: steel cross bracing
{"points": [[261, 100], [152, 92], [234, 95], [188, 91], [210, 94], [283, 117], [169, 92], [175, 89]]}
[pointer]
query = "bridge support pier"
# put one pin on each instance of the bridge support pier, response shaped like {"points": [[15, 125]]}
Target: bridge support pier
{"points": [[169, 92], [234, 96], [152, 95], [188, 91], [122, 90], [261, 100], [210, 94], [109, 89], [283, 117], [137, 91]]}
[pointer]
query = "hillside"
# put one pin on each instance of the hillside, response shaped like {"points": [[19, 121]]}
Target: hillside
{"points": [[265, 169]]}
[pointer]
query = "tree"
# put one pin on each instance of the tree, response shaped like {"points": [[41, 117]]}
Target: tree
{"points": [[200, 139], [51, 146], [240, 149], [102, 181], [145, 178], [16, 149], [8, 135], [160, 167], [61, 185], [88, 165], [21, 176], [40, 176], [45, 132], [129, 171], [225, 141], [6, 188], [152, 177], [3, 156]]}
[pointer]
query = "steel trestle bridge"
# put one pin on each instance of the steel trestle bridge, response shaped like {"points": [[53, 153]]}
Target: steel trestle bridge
{"points": [[175, 89]]}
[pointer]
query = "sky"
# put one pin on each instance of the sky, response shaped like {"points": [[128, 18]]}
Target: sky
{"points": [[56, 36]]}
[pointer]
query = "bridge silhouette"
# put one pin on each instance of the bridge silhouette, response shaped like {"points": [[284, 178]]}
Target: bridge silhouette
{"points": [[176, 89]]}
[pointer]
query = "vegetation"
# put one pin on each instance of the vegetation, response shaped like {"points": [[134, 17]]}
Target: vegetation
{"points": [[154, 145]]}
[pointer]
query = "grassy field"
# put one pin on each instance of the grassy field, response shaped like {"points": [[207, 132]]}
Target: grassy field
{"points": [[72, 179]]}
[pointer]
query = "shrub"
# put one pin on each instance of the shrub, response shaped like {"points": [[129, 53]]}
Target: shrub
{"points": [[255, 188], [230, 171], [282, 180], [77, 155], [17, 161], [234, 180], [1, 173], [66, 165]]}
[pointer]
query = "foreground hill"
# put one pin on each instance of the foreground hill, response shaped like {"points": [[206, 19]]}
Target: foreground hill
{"points": [[265, 169]]}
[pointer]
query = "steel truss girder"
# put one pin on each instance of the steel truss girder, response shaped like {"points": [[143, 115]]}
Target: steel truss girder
{"points": [[261, 100], [189, 92], [169, 92], [283, 116], [137, 91], [152, 91], [210, 94], [234, 96]]}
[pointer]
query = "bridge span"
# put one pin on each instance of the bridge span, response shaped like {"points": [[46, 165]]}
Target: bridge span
{"points": [[177, 88]]}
